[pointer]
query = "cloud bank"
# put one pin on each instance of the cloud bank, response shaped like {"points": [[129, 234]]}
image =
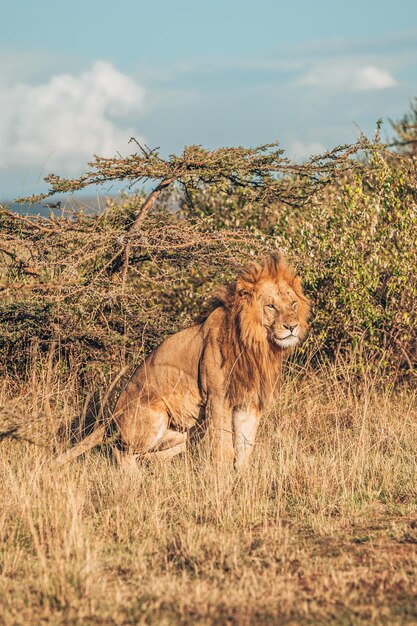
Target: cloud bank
{"points": [[347, 77], [71, 117]]}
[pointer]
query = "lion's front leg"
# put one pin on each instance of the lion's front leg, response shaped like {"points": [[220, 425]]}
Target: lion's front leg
{"points": [[245, 426], [220, 431]]}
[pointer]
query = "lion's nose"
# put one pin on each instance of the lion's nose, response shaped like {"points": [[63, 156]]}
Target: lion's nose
{"points": [[290, 327]]}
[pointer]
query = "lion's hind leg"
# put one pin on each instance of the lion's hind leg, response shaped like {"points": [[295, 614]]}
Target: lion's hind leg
{"points": [[145, 433], [142, 427]]}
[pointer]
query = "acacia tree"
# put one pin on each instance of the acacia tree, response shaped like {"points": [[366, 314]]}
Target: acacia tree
{"points": [[261, 174], [263, 171]]}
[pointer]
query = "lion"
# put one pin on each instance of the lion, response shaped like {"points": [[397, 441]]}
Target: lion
{"points": [[219, 374]]}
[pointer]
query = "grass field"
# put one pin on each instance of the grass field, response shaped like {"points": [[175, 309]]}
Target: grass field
{"points": [[322, 528]]}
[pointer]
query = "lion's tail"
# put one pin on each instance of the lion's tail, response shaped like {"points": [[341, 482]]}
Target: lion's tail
{"points": [[85, 445], [98, 433]]}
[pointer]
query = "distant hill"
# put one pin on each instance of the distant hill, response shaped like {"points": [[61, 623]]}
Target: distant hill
{"points": [[93, 204]]}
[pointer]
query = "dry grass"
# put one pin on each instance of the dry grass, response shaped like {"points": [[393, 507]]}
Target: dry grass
{"points": [[321, 529]]}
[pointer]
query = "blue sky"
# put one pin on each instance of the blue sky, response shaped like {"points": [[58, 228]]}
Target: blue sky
{"points": [[83, 78]]}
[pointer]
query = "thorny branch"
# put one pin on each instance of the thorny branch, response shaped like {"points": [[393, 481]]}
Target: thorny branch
{"points": [[262, 170]]}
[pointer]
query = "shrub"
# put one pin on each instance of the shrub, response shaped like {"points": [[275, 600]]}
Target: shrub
{"points": [[355, 244]]}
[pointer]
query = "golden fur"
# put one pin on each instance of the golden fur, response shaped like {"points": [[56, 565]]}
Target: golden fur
{"points": [[219, 373]]}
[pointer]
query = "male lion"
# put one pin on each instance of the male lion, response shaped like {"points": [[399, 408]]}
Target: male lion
{"points": [[219, 373]]}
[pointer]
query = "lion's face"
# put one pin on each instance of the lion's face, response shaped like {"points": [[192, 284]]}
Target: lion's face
{"points": [[279, 313], [267, 305]]}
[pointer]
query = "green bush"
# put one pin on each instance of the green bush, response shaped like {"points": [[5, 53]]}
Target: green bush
{"points": [[355, 245], [359, 245]]}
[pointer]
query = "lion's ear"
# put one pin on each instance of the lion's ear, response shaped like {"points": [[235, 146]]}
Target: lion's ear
{"points": [[304, 303], [296, 283], [244, 289]]}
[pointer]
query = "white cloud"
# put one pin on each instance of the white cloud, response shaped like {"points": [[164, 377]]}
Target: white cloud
{"points": [[71, 117], [371, 77], [300, 150], [344, 75]]}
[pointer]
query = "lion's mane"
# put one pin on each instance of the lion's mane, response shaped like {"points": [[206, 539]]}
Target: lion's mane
{"points": [[251, 360]]}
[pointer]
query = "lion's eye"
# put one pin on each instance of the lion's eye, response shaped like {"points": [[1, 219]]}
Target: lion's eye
{"points": [[271, 307], [295, 305]]}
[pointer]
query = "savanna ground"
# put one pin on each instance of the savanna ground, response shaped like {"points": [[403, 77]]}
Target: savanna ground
{"points": [[322, 528]]}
